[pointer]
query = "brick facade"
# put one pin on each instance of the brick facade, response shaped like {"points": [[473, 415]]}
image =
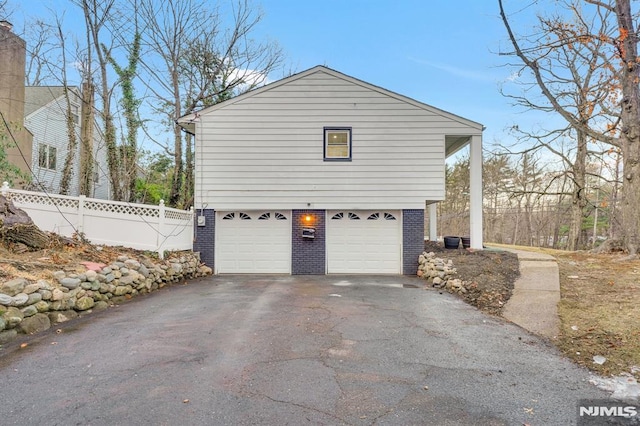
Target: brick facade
{"points": [[204, 237], [412, 240], [308, 255]]}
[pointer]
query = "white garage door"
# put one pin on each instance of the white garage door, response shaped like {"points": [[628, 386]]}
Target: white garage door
{"points": [[364, 242], [253, 242]]}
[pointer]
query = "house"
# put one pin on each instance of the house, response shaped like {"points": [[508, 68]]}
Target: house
{"points": [[46, 118], [323, 173], [33, 126]]}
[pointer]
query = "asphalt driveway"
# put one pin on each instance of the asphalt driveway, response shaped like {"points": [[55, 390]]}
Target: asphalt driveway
{"points": [[323, 350]]}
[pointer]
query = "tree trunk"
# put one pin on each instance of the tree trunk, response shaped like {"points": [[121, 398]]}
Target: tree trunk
{"points": [[86, 138], [630, 132], [67, 170], [189, 182], [17, 226], [94, 23], [579, 194], [176, 183], [110, 139], [613, 218], [556, 227]]}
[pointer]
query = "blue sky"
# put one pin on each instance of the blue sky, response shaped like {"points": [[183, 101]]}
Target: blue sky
{"points": [[440, 53]]}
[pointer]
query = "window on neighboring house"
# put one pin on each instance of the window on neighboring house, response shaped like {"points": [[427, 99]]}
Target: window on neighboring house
{"points": [[337, 143], [47, 156]]}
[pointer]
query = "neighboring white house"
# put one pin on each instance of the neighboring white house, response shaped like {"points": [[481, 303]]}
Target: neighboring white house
{"points": [[323, 173], [46, 119]]}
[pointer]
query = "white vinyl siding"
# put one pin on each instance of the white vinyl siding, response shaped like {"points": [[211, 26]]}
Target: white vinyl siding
{"points": [[266, 150], [49, 127]]}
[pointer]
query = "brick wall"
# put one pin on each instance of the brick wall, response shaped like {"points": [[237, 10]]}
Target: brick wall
{"points": [[308, 256], [204, 237], [412, 240]]}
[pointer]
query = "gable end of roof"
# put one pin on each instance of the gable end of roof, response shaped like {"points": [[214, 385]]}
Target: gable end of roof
{"points": [[190, 118]]}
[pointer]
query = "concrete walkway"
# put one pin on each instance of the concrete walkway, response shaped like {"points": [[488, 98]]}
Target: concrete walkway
{"points": [[533, 304]]}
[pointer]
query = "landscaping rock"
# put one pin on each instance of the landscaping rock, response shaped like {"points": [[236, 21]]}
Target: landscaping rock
{"points": [[46, 294], [439, 272], [70, 283], [59, 305], [143, 271], [128, 279], [91, 275], [35, 324], [13, 287], [29, 311], [34, 298], [45, 285], [121, 291], [57, 294], [204, 270], [62, 316], [31, 288], [100, 306], [20, 299], [84, 303], [42, 306], [7, 336], [5, 299]]}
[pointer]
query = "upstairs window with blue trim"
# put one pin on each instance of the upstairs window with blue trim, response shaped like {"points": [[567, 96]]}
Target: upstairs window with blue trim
{"points": [[337, 143]]}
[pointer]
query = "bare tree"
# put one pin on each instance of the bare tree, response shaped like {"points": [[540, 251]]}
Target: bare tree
{"points": [[87, 118], [573, 72], [130, 104], [610, 22], [39, 36], [97, 14], [67, 169], [85, 184], [5, 10], [193, 61]]}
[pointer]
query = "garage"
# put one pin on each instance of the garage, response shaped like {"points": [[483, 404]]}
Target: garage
{"points": [[364, 242], [253, 242]]}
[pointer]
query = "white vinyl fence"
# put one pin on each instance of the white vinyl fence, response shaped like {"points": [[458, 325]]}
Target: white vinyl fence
{"points": [[112, 223]]}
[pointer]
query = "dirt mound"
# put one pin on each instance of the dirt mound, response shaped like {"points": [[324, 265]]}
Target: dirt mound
{"points": [[489, 275]]}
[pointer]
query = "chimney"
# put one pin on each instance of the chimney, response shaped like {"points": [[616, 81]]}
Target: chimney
{"points": [[12, 94], [6, 25]]}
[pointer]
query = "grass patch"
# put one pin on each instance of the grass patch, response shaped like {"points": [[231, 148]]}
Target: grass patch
{"points": [[600, 311]]}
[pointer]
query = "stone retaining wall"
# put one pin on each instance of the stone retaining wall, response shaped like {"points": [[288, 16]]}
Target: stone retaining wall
{"points": [[440, 273], [27, 307]]}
